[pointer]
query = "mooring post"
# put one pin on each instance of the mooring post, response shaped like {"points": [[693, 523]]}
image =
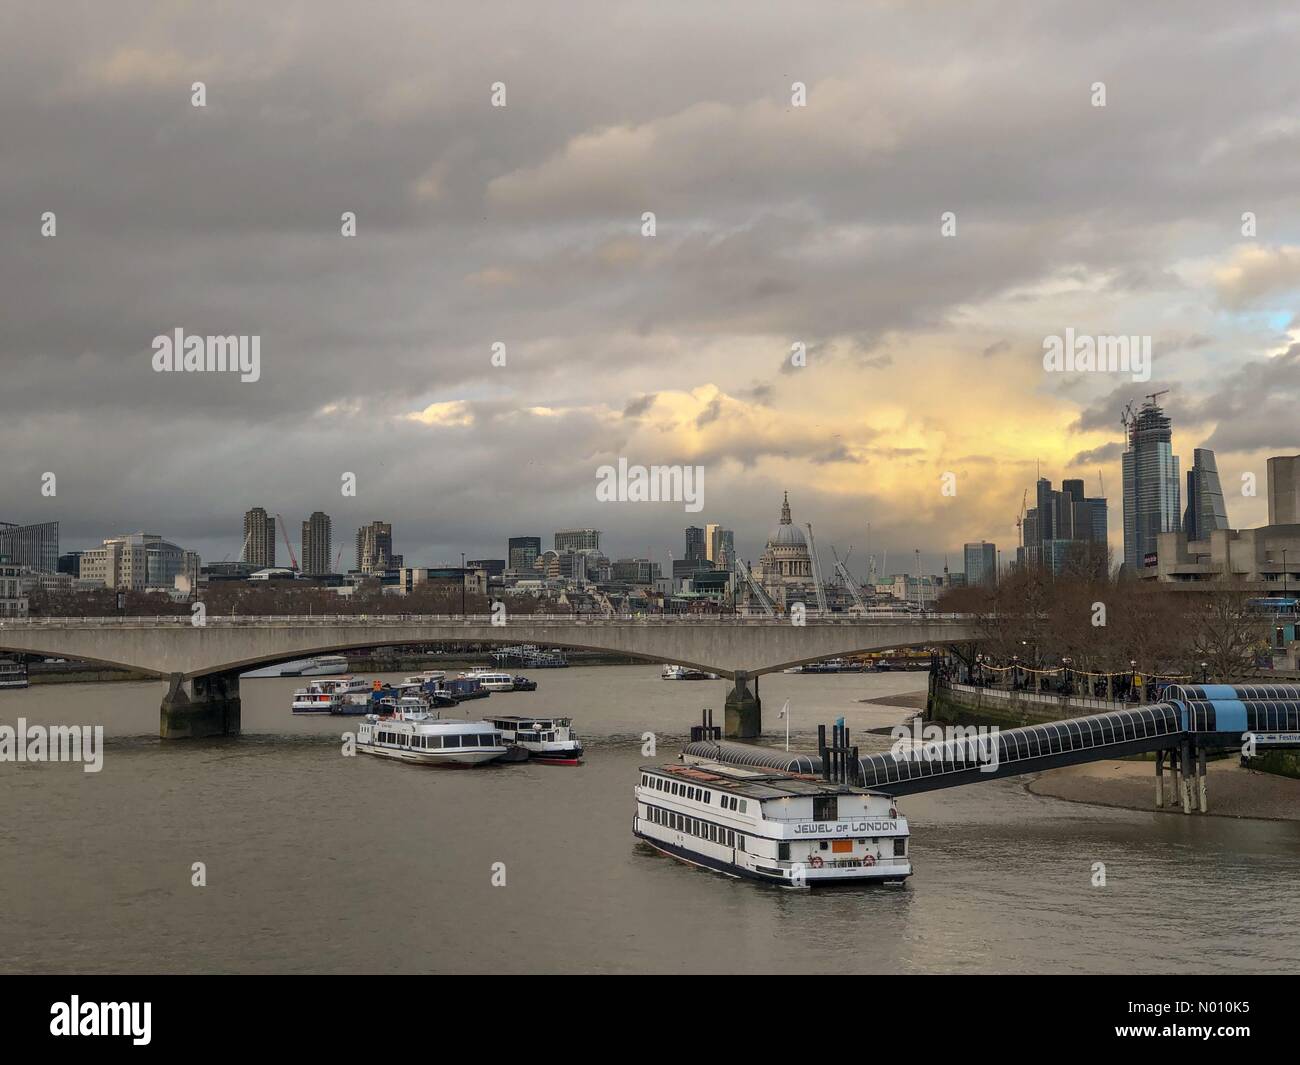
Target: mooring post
{"points": [[1200, 772], [1160, 779]]}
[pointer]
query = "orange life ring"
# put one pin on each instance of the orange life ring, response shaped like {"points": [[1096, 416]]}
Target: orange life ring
{"points": [[816, 862]]}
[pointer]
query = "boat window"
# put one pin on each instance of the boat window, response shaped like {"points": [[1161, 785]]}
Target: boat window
{"points": [[743, 805], [900, 846], [822, 845], [740, 842], [825, 807], [783, 852], [435, 741], [451, 741]]}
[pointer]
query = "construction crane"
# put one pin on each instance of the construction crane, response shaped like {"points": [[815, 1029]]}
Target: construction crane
{"points": [[816, 569], [842, 568], [755, 589], [337, 559], [293, 559], [1020, 518]]}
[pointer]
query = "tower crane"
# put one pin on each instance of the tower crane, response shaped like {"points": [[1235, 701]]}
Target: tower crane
{"points": [[842, 568], [816, 569], [293, 559], [755, 589]]}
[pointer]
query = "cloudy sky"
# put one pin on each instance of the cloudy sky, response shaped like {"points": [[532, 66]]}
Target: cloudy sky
{"points": [[775, 225]]}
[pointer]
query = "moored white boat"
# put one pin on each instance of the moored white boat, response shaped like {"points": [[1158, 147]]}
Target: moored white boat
{"points": [[428, 740], [320, 666], [491, 680], [546, 739], [675, 672], [772, 825]]}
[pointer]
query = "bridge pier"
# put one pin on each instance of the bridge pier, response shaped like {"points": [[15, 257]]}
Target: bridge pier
{"points": [[743, 713], [198, 707], [1160, 779]]}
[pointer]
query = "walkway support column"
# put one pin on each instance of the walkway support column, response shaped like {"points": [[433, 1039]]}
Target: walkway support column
{"points": [[1160, 779], [743, 713], [1200, 773], [198, 707], [1188, 764]]}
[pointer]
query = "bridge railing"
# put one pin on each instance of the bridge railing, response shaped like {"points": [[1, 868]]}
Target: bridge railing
{"points": [[218, 620]]}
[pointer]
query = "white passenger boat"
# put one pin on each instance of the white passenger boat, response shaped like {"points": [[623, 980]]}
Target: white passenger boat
{"points": [[674, 672], [767, 824], [336, 695], [550, 740], [490, 680], [320, 666], [426, 677], [428, 740], [316, 698], [12, 674]]}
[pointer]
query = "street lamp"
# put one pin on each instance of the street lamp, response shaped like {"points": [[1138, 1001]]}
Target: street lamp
{"points": [[462, 584], [1015, 665], [1132, 680], [1205, 677], [1069, 684]]}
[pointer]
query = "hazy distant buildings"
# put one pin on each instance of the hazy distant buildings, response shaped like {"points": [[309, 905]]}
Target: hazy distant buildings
{"points": [[34, 546], [721, 544], [1151, 488], [259, 539], [635, 570], [980, 563], [317, 539], [13, 600], [577, 540], [1066, 529], [1283, 490], [522, 552], [696, 550], [493, 567], [137, 562], [1205, 507], [375, 549]]}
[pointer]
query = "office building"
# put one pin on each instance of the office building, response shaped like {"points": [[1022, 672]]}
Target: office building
{"points": [[981, 563], [138, 561], [1283, 490], [522, 552], [34, 546], [1205, 506], [317, 540], [696, 550], [577, 540], [1066, 530], [1151, 484], [259, 539]]}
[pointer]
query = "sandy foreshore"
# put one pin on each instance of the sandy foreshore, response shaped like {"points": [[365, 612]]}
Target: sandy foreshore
{"points": [[1232, 791]]}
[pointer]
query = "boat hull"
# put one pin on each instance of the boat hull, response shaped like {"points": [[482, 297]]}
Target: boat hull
{"points": [[451, 759], [812, 877]]}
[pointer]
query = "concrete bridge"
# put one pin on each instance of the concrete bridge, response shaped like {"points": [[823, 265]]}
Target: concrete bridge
{"points": [[203, 661]]}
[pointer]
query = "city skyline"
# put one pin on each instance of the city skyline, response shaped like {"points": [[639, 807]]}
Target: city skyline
{"points": [[924, 352]]}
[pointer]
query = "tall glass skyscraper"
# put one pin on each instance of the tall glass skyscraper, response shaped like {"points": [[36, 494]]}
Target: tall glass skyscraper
{"points": [[1151, 489], [1205, 507]]}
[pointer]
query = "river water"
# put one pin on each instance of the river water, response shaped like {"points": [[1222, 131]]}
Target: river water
{"points": [[321, 863]]}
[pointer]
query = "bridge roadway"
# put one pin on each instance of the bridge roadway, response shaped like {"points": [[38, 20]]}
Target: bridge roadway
{"points": [[202, 661], [1195, 718]]}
